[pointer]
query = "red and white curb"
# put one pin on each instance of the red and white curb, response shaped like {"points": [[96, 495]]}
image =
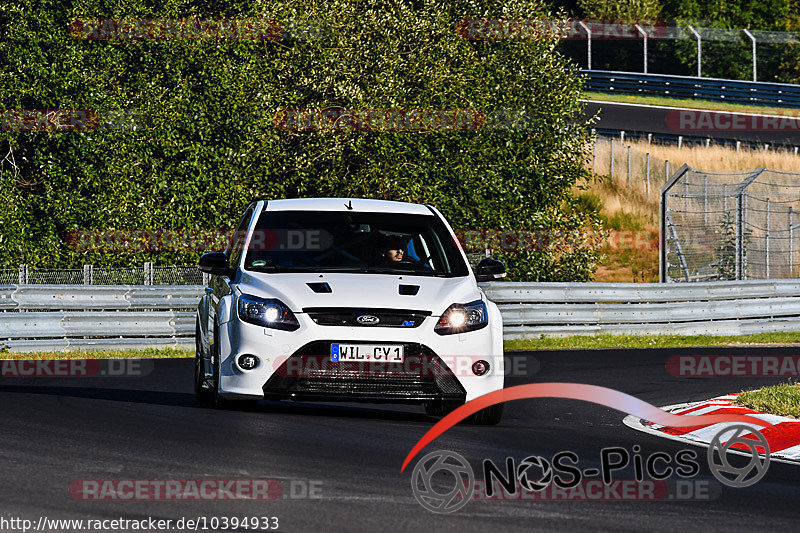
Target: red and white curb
{"points": [[783, 438]]}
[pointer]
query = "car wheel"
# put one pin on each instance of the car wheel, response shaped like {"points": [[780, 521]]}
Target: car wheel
{"points": [[489, 416], [201, 392]]}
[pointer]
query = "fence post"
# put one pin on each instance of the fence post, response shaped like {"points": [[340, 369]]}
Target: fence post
{"points": [[88, 274], [650, 141], [686, 197], [588, 45], [744, 229], [148, 273], [647, 175], [622, 136], [724, 197], [23, 274], [680, 141], [629, 166], [666, 167], [705, 198], [791, 243], [611, 171], [699, 52], [206, 278], [738, 145], [644, 36], [766, 241], [738, 238], [594, 151], [755, 78]]}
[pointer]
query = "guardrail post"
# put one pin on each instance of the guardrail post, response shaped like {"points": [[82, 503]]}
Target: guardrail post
{"points": [[88, 274], [148, 273], [647, 175], [753, 39], [23, 274]]}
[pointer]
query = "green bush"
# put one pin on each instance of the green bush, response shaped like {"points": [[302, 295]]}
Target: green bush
{"points": [[211, 145]]}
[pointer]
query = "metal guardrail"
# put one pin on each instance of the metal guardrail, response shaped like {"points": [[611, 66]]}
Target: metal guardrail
{"points": [[733, 91], [59, 317], [713, 308]]}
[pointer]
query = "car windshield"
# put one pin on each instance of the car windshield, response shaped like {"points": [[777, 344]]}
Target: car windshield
{"points": [[375, 243]]}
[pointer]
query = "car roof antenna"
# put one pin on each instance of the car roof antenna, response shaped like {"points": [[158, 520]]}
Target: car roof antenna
{"points": [[349, 205]]}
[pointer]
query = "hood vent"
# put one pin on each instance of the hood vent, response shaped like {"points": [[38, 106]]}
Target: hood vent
{"points": [[320, 287], [409, 290]]}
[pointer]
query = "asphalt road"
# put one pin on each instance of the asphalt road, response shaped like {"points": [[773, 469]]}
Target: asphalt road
{"points": [[56, 431], [635, 118]]}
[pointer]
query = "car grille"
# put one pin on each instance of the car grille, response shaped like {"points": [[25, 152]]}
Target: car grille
{"points": [[387, 318], [309, 373]]}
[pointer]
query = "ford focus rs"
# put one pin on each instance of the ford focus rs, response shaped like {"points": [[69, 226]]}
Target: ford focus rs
{"points": [[347, 300]]}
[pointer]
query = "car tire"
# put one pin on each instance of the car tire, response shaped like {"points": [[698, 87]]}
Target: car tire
{"points": [[490, 416], [201, 392]]}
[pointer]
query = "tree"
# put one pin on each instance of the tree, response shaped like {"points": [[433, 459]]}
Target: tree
{"points": [[212, 146]]}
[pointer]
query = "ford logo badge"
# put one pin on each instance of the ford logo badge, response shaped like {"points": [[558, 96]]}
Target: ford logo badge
{"points": [[367, 320]]}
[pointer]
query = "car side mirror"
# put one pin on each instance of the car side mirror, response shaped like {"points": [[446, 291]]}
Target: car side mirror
{"points": [[214, 263], [490, 270]]}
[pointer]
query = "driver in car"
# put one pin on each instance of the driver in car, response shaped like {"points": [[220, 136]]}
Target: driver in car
{"points": [[394, 250]]}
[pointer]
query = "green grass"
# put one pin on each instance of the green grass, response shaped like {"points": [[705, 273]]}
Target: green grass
{"points": [[781, 399], [575, 342], [579, 342], [692, 104], [147, 353]]}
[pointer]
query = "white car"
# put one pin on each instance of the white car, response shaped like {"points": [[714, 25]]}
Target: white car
{"points": [[337, 299]]}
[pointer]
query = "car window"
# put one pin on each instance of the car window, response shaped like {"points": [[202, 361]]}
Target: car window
{"points": [[237, 240], [291, 241]]}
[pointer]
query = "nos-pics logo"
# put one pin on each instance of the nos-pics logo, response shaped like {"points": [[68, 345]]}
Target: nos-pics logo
{"points": [[443, 481]]}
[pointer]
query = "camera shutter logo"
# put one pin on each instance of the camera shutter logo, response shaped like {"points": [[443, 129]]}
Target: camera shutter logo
{"points": [[458, 490], [718, 456], [535, 484]]}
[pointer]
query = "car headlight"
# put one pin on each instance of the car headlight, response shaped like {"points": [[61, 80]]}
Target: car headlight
{"points": [[269, 313], [463, 317]]}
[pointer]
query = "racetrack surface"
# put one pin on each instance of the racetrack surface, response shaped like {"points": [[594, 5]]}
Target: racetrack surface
{"points": [[56, 431], [701, 123]]}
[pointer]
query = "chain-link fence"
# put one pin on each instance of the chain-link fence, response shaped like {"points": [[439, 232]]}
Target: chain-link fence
{"points": [[147, 274], [730, 225]]}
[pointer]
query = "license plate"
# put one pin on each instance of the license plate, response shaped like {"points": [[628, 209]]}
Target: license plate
{"points": [[379, 353]]}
